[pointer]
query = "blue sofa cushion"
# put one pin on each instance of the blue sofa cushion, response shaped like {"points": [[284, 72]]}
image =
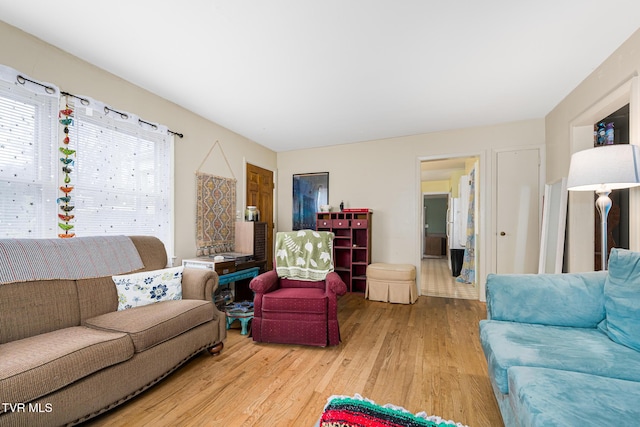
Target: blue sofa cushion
{"points": [[586, 350], [622, 298], [549, 397], [549, 299]]}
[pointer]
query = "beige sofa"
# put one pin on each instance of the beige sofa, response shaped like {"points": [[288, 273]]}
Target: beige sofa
{"points": [[67, 354]]}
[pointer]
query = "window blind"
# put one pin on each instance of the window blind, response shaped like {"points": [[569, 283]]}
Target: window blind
{"points": [[122, 175], [28, 131]]}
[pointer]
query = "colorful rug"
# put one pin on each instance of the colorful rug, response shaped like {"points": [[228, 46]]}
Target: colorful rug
{"points": [[356, 411], [215, 214]]}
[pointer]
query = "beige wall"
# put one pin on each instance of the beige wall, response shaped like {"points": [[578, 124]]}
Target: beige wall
{"points": [[615, 71], [435, 186], [568, 128], [384, 175], [455, 181], [44, 62]]}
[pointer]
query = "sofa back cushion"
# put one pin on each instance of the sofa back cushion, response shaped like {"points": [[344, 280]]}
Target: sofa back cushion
{"points": [[99, 296], [151, 251], [32, 308], [574, 300], [622, 298], [96, 297]]}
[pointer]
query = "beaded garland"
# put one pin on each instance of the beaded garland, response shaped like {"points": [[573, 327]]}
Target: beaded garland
{"points": [[65, 118]]}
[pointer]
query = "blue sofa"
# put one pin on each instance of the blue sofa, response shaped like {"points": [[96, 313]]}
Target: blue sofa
{"points": [[564, 349]]}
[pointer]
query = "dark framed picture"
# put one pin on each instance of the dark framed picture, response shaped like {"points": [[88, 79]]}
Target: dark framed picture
{"points": [[310, 191]]}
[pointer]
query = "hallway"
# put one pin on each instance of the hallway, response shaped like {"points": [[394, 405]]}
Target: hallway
{"points": [[436, 280]]}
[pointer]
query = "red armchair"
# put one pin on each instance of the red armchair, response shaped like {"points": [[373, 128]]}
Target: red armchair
{"points": [[291, 311]]}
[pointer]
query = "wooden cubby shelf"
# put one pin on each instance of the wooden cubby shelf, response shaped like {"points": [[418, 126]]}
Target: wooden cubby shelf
{"points": [[351, 245]]}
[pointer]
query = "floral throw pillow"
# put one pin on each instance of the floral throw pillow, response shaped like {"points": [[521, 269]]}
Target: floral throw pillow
{"points": [[148, 287]]}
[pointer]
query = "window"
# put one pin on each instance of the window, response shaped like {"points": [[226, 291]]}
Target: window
{"points": [[122, 174], [28, 119], [121, 171]]}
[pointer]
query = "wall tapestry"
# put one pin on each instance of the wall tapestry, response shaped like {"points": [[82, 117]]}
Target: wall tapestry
{"points": [[310, 191], [215, 214]]}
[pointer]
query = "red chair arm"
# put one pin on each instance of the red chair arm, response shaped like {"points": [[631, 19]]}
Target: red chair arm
{"points": [[265, 282], [335, 284]]}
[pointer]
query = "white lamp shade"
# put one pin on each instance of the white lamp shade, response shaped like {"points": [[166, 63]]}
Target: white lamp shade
{"points": [[609, 166]]}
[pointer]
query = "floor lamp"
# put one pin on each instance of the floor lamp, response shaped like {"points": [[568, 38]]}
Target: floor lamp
{"points": [[603, 169]]}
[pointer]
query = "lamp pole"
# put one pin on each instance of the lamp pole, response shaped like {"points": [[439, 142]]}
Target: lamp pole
{"points": [[603, 203], [603, 169]]}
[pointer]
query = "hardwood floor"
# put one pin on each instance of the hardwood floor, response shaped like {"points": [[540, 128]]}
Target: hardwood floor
{"points": [[424, 357]]}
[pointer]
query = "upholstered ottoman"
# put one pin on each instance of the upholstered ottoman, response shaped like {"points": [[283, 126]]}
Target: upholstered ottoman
{"points": [[391, 283]]}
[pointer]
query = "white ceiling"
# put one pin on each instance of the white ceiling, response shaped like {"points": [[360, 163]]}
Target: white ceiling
{"points": [[290, 74]]}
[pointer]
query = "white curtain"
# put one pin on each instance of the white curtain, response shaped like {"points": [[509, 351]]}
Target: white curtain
{"points": [[121, 169], [122, 176], [28, 158], [468, 272]]}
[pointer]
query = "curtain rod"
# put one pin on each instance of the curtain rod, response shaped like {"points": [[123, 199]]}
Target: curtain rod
{"points": [[21, 79], [50, 90], [125, 116]]}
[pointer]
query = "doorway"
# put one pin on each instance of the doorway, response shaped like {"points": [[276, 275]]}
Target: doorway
{"points": [[260, 194], [442, 218], [435, 208]]}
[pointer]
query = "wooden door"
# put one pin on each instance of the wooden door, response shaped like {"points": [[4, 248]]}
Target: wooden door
{"points": [[260, 194], [518, 182]]}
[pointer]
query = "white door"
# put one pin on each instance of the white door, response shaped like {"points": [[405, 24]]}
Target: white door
{"points": [[517, 195]]}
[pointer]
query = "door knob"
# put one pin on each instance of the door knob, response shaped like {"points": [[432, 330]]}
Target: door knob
{"points": [[502, 233]]}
